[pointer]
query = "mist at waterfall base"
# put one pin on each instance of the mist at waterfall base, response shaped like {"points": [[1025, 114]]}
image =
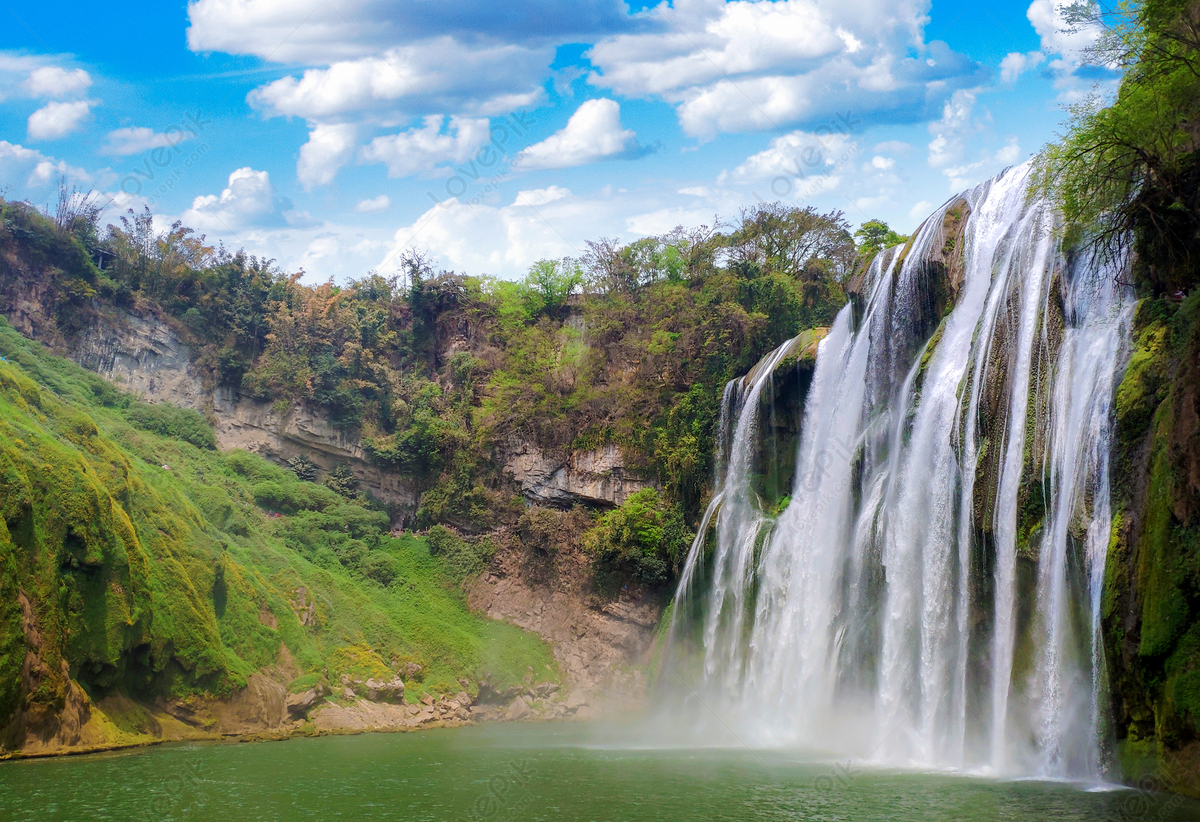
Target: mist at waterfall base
{"points": [[899, 611]]}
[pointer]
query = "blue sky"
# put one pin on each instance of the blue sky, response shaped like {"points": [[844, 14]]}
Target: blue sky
{"points": [[331, 136]]}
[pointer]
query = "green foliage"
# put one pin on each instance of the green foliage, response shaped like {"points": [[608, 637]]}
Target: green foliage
{"points": [[1152, 586], [56, 250], [427, 437], [549, 284], [874, 236], [441, 540], [460, 558], [642, 540], [341, 480], [1128, 167], [303, 468], [628, 347], [168, 421], [292, 497]]}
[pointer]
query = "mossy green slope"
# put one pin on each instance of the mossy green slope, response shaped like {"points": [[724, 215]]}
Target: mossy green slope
{"points": [[1152, 590], [151, 567]]}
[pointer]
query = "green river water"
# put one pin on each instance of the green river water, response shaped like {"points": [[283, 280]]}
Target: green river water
{"points": [[526, 772]]}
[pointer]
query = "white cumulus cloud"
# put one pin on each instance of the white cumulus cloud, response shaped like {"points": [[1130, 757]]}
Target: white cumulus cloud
{"points": [[799, 155], [420, 149], [56, 120], [126, 141], [1016, 63], [594, 132], [373, 204], [481, 80], [1057, 38], [25, 168], [744, 65], [951, 136], [329, 147], [247, 201], [541, 196], [951, 132], [52, 81]]}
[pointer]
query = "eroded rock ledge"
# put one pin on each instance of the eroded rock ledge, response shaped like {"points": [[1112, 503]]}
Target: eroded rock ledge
{"points": [[598, 477]]}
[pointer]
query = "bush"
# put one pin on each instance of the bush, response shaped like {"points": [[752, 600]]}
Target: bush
{"points": [[381, 567], [642, 541], [293, 497], [341, 480], [169, 421], [458, 557], [441, 540], [303, 468]]}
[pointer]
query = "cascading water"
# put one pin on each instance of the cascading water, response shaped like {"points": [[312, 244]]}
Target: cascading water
{"points": [[931, 594]]}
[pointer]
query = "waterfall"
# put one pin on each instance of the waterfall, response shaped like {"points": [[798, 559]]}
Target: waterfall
{"points": [[930, 597]]}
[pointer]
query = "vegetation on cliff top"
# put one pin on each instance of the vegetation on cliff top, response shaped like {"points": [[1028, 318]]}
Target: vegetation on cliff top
{"points": [[435, 371], [1126, 173]]}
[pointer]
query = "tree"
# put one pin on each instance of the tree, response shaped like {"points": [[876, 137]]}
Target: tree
{"points": [[549, 284], [1126, 175], [875, 235], [775, 238]]}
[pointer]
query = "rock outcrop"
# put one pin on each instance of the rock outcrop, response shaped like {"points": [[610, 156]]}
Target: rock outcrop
{"points": [[144, 356], [598, 477], [596, 642], [390, 691]]}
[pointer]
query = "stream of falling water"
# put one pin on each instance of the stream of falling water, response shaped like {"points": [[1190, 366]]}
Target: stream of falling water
{"points": [[901, 609]]}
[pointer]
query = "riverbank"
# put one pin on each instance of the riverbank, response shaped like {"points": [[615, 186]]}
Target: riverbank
{"points": [[117, 723]]}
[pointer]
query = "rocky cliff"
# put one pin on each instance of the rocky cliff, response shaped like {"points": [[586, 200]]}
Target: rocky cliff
{"points": [[145, 356]]}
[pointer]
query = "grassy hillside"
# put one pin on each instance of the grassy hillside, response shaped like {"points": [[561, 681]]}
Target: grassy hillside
{"points": [[155, 565]]}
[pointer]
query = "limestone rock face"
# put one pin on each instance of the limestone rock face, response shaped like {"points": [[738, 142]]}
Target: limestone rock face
{"points": [[517, 710], [144, 356], [596, 477], [261, 705]]}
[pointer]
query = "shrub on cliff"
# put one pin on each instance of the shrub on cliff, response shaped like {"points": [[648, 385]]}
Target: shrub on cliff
{"points": [[169, 421], [642, 540]]}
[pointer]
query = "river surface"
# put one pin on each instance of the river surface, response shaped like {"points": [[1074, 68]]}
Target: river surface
{"points": [[560, 772]]}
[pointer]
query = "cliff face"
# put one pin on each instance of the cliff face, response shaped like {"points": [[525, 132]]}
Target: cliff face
{"points": [[595, 643], [1152, 590], [596, 478], [144, 356]]}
